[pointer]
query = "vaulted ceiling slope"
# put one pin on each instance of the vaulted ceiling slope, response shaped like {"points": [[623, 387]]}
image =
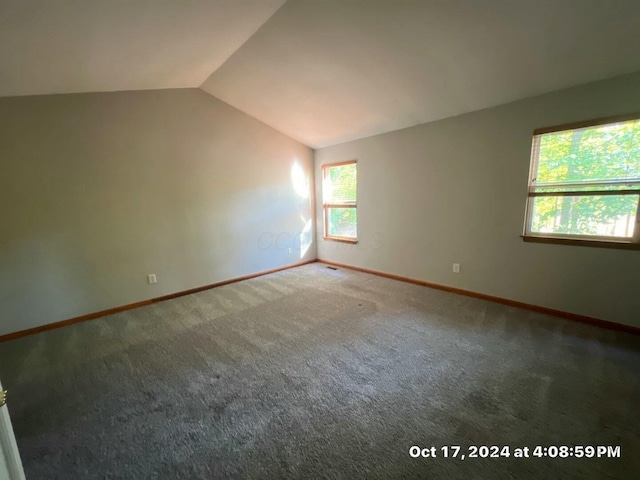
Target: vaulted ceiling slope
{"points": [[328, 71], [68, 46], [321, 71]]}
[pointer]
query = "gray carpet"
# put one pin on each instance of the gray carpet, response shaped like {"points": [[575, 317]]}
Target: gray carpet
{"points": [[315, 373]]}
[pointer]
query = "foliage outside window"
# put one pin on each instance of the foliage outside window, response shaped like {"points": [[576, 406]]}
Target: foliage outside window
{"points": [[339, 192], [584, 183]]}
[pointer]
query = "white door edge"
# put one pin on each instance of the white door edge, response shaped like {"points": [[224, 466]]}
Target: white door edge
{"points": [[9, 448]]}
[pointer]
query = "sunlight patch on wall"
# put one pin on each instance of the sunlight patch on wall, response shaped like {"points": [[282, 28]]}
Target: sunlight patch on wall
{"points": [[305, 238], [300, 181]]}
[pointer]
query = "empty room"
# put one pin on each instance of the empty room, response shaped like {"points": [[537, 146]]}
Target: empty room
{"points": [[273, 239]]}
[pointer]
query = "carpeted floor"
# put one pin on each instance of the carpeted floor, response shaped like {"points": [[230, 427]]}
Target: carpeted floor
{"points": [[316, 373]]}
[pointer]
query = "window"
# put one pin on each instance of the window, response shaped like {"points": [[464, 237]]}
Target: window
{"points": [[584, 184], [339, 191]]}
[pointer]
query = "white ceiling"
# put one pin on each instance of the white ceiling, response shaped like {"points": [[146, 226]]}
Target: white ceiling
{"points": [[65, 46], [327, 71], [321, 71]]}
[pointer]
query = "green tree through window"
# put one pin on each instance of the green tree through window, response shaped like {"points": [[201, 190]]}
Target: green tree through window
{"points": [[339, 194], [585, 182]]}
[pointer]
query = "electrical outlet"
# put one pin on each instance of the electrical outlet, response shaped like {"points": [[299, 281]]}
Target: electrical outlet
{"points": [[456, 268], [290, 251], [152, 278]]}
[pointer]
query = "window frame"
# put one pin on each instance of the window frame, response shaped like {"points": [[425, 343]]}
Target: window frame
{"points": [[326, 206], [629, 243]]}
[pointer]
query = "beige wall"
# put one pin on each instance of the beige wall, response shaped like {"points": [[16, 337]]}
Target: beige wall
{"points": [[455, 190], [99, 190]]}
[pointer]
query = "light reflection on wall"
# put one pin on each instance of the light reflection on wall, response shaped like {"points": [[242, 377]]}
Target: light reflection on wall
{"points": [[300, 181], [302, 187]]}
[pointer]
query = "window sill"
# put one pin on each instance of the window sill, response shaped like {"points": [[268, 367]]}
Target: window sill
{"points": [[341, 239], [621, 245]]}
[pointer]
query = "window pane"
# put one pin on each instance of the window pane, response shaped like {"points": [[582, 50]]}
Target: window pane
{"points": [[573, 188], [604, 152], [342, 222], [340, 184], [602, 215]]}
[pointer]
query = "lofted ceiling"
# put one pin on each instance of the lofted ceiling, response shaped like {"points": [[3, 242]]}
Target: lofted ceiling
{"points": [[321, 71], [69, 46]]}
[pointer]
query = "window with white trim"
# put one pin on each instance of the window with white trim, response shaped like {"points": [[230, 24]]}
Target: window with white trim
{"points": [[584, 184], [339, 201]]}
